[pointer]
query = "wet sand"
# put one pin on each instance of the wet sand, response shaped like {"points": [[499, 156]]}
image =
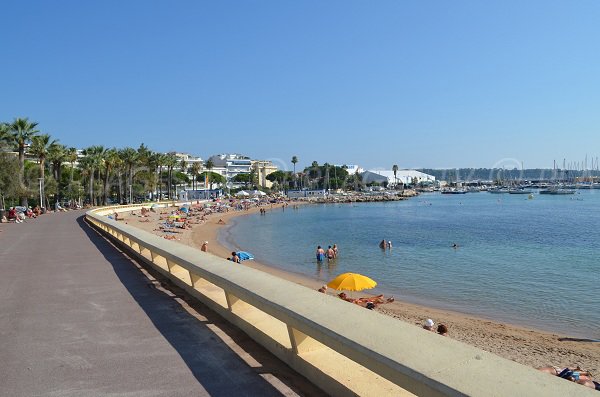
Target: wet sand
{"points": [[526, 346]]}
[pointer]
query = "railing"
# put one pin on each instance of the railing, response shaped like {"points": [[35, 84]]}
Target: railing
{"points": [[342, 348]]}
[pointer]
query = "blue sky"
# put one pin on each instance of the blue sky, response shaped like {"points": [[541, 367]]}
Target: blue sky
{"points": [[418, 84]]}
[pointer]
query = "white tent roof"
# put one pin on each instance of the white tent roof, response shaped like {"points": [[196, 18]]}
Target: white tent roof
{"points": [[242, 193]]}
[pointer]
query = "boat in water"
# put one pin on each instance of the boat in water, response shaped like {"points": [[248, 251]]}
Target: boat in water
{"points": [[519, 191], [557, 191], [498, 190], [453, 191]]}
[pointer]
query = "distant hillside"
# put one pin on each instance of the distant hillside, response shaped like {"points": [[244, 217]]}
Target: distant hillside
{"points": [[490, 174]]}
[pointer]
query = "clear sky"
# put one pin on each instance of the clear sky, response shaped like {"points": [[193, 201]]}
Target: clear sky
{"points": [[413, 83]]}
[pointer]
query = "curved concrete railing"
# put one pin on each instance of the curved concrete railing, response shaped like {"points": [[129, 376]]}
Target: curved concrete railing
{"points": [[342, 348]]}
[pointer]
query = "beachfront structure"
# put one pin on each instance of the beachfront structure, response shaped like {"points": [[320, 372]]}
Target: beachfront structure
{"points": [[189, 160], [229, 165], [262, 168], [402, 177], [294, 194]]}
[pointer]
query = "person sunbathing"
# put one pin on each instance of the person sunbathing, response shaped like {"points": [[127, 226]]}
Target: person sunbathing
{"points": [[376, 299], [570, 373]]}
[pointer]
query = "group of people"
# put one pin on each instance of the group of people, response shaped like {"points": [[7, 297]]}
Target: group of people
{"points": [[20, 214], [331, 253], [573, 374], [385, 244], [441, 329]]}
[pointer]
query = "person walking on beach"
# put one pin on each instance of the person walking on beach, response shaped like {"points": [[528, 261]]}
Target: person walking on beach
{"points": [[204, 247], [320, 254]]}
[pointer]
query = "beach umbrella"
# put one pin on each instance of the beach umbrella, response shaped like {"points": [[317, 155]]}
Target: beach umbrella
{"points": [[242, 193], [351, 282], [259, 193]]}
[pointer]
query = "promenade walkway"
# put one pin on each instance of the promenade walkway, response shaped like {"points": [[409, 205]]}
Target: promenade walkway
{"points": [[78, 318]]}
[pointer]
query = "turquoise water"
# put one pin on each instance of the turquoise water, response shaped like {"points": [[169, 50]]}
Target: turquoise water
{"points": [[528, 262]]}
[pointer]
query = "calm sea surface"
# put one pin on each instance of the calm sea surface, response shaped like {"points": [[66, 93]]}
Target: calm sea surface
{"points": [[528, 262]]}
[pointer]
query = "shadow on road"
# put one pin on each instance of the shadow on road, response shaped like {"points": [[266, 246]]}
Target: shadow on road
{"points": [[216, 365]]}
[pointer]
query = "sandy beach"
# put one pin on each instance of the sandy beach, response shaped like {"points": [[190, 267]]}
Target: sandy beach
{"points": [[526, 346]]}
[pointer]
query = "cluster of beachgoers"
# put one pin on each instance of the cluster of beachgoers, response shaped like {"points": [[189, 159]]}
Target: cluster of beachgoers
{"points": [[23, 214]]}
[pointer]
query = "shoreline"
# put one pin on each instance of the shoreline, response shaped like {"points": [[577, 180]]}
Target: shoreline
{"points": [[532, 347]]}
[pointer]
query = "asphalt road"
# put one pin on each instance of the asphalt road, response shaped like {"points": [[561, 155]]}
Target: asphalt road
{"points": [[79, 318]]}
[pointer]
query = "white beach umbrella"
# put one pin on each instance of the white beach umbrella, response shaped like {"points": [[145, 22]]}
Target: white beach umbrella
{"points": [[242, 193], [259, 193]]}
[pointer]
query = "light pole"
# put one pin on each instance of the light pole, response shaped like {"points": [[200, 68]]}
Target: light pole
{"points": [[41, 192]]}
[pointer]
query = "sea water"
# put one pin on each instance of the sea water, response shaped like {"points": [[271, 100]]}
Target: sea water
{"points": [[531, 262]]}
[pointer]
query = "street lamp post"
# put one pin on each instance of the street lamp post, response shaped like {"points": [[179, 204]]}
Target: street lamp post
{"points": [[40, 180]]}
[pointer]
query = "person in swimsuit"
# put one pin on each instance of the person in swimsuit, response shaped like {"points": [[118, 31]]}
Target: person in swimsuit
{"points": [[320, 254], [234, 257], [335, 250], [383, 244], [330, 253]]}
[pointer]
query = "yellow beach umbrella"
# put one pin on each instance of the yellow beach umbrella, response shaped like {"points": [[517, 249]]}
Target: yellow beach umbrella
{"points": [[351, 282]]}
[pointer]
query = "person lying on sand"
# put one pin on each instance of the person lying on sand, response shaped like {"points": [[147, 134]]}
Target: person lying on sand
{"points": [[573, 373], [221, 222], [376, 299]]}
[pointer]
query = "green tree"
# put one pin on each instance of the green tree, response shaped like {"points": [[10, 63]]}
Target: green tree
{"points": [[90, 163], [209, 165], [40, 147], [195, 170], [395, 170], [130, 158], [21, 130], [294, 161], [170, 162], [110, 160]]}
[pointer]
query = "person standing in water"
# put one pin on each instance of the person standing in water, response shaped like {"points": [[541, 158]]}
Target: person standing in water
{"points": [[330, 253], [335, 251], [383, 244], [320, 254]]}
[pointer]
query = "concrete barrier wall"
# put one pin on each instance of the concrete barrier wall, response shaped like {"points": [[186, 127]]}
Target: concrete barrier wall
{"points": [[341, 347]]}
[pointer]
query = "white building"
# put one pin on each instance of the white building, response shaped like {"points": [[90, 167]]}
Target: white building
{"points": [[231, 164], [404, 176]]}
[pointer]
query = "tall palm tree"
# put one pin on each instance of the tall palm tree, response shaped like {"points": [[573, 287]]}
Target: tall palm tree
{"points": [[209, 165], [110, 158], [71, 157], [294, 161], [183, 164], [195, 170], [21, 131], [395, 169], [130, 157], [91, 162], [40, 147], [170, 162]]}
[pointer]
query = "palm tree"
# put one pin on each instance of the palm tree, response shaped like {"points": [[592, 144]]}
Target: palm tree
{"points": [[195, 170], [90, 163], [130, 157], [294, 161], [395, 169], [40, 147], [71, 157], [20, 133], [183, 165], [209, 166], [110, 159], [170, 162]]}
